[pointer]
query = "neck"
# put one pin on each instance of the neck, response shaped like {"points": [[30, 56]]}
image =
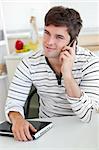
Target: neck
{"points": [[56, 65], [54, 61]]}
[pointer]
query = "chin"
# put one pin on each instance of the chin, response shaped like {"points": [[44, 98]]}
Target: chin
{"points": [[51, 55]]}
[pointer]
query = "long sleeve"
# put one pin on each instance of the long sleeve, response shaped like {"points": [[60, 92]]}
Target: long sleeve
{"points": [[19, 89], [89, 85]]}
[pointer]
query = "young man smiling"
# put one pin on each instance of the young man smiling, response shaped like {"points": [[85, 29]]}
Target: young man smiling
{"points": [[65, 75]]}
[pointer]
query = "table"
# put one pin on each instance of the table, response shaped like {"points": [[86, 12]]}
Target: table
{"points": [[67, 133]]}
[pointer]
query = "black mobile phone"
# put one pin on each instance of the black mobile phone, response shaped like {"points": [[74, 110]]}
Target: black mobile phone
{"points": [[72, 42]]}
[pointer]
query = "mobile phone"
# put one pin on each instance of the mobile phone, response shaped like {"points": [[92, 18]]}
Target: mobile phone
{"points": [[72, 42]]}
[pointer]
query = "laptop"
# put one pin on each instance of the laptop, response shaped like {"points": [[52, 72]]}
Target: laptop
{"points": [[41, 126]]}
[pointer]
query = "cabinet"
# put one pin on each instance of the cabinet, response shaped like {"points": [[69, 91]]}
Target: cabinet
{"points": [[3, 73]]}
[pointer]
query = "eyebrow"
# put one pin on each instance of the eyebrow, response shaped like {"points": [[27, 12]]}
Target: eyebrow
{"points": [[47, 31]]}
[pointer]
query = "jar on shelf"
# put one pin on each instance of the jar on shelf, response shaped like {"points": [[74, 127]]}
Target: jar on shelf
{"points": [[34, 34], [2, 69]]}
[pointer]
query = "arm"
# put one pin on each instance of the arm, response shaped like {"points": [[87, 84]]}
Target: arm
{"points": [[67, 59], [20, 127], [17, 95], [89, 86], [19, 89], [82, 97]]}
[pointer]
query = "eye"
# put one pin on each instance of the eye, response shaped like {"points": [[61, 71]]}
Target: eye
{"points": [[60, 37], [46, 32]]}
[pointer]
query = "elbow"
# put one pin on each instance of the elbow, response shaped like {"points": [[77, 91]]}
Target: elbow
{"points": [[87, 117]]}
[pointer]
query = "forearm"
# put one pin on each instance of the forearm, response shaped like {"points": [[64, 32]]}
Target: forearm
{"points": [[81, 104], [71, 86]]}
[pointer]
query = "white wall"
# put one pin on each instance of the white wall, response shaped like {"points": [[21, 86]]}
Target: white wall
{"points": [[89, 10], [18, 12], [0, 23], [0, 17]]}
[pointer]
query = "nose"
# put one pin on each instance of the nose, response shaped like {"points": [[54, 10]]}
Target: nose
{"points": [[51, 41]]}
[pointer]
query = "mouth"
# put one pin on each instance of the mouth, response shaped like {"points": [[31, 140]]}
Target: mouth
{"points": [[51, 52], [49, 48]]}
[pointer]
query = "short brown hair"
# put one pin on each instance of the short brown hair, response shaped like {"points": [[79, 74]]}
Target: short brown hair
{"points": [[61, 16]]}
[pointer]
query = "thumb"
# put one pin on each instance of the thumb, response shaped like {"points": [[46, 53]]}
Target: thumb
{"points": [[33, 129]]}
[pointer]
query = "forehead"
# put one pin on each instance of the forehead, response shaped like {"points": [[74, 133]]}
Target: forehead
{"points": [[62, 30]]}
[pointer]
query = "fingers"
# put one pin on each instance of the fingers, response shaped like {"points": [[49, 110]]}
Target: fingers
{"points": [[70, 49], [32, 128], [67, 52], [21, 136], [28, 134], [17, 136], [63, 55], [23, 133]]}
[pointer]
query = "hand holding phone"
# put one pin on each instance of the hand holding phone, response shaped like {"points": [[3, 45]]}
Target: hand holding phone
{"points": [[67, 57]]}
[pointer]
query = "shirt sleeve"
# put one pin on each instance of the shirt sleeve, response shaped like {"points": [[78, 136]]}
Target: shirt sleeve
{"points": [[19, 89], [89, 86]]}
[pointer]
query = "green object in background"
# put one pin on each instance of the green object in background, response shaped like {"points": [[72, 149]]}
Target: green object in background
{"points": [[34, 107], [26, 47]]}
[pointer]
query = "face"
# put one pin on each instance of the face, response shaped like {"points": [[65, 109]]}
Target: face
{"points": [[55, 38]]}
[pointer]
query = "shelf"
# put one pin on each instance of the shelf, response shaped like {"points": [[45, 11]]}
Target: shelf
{"points": [[22, 34], [17, 56], [2, 43], [18, 35], [3, 76]]}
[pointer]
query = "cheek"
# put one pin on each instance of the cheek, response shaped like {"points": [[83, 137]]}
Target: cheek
{"points": [[44, 40], [60, 45], [45, 37]]}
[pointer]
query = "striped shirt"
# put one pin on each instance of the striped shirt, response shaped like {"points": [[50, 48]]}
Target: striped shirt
{"points": [[54, 101]]}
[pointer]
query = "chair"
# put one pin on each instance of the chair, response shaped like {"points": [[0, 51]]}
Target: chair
{"points": [[31, 107]]}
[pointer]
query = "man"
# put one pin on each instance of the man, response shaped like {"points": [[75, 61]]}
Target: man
{"points": [[66, 76]]}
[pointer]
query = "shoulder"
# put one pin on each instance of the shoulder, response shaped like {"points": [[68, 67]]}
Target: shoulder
{"points": [[88, 58], [34, 56], [85, 55], [84, 52]]}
